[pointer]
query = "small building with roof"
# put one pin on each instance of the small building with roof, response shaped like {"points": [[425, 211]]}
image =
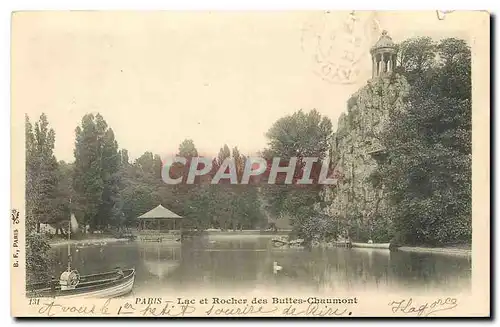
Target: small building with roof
{"points": [[384, 55], [160, 219]]}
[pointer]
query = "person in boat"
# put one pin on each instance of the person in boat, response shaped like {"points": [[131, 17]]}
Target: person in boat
{"points": [[53, 284], [119, 273]]}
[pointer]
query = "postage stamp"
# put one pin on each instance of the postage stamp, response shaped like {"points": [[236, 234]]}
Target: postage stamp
{"points": [[336, 42], [190, 164]]}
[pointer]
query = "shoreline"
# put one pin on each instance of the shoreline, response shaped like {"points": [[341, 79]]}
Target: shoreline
{"points": [[451, 250], [256, 233], [61, 242], [441, 250]]}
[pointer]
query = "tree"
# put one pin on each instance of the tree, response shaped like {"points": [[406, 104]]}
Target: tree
{"points": [[187, 149], [124, 157], [222, 195], [96, 178], [146, 163], [110, 209], [455, 65], [224, 153], [41, 191], [64, 196], [247, 210], [41, 173], [87, 179], [142, 188], [38, 259], [31, 194], [298, 135], [138, 197], [428, 169], [199, 206], [416, 55], [239, 163]]}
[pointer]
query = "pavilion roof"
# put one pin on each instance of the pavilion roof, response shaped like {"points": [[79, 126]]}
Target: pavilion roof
{"points": [[160, 212]]}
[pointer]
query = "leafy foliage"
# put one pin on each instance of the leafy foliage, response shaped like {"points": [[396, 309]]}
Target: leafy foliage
{"points": [[428, 171], [298, 135], [41, 195], [314, 226], [41, 173], [225, 205], [203, 205], [38, 259], [96, 178]]}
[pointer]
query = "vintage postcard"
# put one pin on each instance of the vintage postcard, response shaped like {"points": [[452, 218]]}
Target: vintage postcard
{"points": [[250, 164]]}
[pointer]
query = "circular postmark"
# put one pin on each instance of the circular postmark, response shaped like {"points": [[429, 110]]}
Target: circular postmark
{"points": [[337, 43]]}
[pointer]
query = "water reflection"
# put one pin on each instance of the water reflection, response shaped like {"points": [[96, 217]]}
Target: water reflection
{"points": [[247, 264], [160, 261]]}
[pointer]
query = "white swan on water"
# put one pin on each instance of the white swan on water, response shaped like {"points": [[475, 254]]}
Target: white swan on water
{"points": [[276, 267]]}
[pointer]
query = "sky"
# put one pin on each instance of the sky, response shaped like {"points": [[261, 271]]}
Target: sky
{"points": [[158, 78]]}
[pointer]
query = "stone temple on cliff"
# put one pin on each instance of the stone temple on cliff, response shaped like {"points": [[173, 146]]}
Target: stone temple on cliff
{"points": [[384, 55], [358, 202]]}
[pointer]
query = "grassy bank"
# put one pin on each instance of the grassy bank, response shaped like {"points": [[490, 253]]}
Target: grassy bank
{"points": [[245, 232], [242, 234], [461, 250], [81, 239]]}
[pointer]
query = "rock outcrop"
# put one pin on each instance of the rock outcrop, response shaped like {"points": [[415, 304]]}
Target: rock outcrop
{"points": [[358, 201]]}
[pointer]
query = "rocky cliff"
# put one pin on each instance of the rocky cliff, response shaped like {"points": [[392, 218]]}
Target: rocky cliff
{"points": [[357, 202]]}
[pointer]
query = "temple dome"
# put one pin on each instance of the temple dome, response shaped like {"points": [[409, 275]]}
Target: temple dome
{"points": [[385, 41]]}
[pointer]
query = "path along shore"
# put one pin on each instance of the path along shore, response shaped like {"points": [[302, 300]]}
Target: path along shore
{"points": [[449, 251], [61, 242]]}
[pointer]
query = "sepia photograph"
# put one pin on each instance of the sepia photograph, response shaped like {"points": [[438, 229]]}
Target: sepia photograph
{"points": [[250, 164]]}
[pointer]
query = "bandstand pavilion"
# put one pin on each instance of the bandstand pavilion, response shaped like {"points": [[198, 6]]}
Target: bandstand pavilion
{"points": [[160, 219]]}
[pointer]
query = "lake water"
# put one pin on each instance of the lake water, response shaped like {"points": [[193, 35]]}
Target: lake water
{"points": [[246, 264]]}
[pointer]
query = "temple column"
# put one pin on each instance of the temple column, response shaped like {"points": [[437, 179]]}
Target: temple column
{"points": [[374, 67]]}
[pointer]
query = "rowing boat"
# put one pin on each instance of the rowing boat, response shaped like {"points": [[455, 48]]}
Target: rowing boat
{"points": [[371, 245], [104, 285]]}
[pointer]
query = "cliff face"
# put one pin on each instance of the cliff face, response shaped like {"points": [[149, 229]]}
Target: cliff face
{"points": [[358, 201]]}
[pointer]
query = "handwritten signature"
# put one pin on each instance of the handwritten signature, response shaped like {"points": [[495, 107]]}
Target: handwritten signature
{"points": [[408, 307]]}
